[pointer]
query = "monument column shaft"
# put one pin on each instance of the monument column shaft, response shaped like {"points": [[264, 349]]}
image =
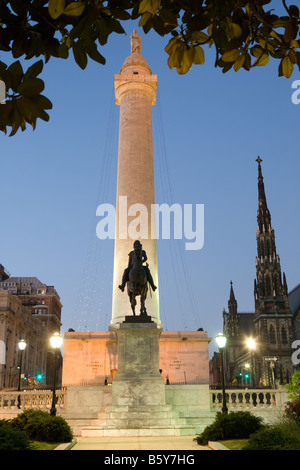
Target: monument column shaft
{"points": [[135, 93]]}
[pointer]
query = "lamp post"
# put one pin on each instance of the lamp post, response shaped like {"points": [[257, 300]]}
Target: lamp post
{"points": [[251, 344], [56, 342], [221, 343], [21, 345]]}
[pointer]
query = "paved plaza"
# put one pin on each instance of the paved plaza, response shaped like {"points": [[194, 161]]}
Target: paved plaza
{"points": [[175, 443]]}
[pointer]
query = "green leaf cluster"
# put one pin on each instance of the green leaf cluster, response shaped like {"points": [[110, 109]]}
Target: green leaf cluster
{"points": [[24, 102], [243, 33], [41, 426], [293, 388], [234, 425]]}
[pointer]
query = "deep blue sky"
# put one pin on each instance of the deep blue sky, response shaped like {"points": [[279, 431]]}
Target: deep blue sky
{"points": [[209, 129]]}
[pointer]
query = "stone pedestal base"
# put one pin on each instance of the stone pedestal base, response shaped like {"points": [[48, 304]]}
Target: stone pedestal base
{"points": [[138, 381], [138, 403]]}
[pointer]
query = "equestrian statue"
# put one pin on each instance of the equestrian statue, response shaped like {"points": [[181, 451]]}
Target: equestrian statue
{"points": [[136, 276]]}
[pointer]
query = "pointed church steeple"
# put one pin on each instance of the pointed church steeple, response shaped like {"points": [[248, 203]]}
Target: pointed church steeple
{"points": [[263, 214], [272, 319], [232, 318], [269, 283], [232, 303]]}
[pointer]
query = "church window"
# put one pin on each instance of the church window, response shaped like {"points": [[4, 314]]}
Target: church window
{"points": [[284, 338], [269, 248], [268, 285], [272, 335]]}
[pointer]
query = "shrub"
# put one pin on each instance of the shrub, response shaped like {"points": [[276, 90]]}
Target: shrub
{"points": [[282, 436], [293, 388], [41, 426], [234, 425], [12, 439], [292, 411]]}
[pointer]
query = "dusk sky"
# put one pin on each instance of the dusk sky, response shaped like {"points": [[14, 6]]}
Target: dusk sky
{"points": [[208, 130]]}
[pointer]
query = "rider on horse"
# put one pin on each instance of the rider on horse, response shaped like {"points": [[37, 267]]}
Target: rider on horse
{"points": [[137, 246]]}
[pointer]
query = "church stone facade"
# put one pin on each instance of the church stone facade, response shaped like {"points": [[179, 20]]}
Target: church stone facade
{"points": [[274, 325]]}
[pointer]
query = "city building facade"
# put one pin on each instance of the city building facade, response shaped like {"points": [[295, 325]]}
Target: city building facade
{"points": [[30, 311]]}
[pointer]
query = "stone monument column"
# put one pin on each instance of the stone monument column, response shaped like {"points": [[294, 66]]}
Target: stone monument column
{"points": [[138, 381], [135, 93]]}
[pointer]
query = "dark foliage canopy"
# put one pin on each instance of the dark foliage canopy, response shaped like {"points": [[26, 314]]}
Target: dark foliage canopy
{"points": [[244, 34]]}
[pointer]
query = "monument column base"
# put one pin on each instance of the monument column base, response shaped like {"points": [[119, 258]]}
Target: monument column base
{"points": [[138, 381]]}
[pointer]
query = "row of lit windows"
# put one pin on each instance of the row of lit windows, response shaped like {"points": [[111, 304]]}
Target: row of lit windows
{"points": [[26, 288]]}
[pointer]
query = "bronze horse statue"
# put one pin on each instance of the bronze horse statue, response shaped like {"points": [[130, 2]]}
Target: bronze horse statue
{"points": [[137, 284]]}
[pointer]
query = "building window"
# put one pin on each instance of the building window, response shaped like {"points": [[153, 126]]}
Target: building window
{"points": [[284, 338], [268, 285], [272, 335], [26, 291]]}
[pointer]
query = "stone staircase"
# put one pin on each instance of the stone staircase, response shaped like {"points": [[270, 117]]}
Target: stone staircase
{"points": [[158, 420]]}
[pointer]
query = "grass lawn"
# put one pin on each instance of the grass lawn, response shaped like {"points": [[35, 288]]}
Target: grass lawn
{"points": [[234, 444], [36, 445]]}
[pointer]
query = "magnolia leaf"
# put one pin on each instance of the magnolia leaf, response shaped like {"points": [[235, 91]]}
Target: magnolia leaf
{"points": [[257, 51], [27, 109], [176, 57], [294, 43], [273, 34], [199, 36], [172, 44], [80, 55], [34, 70], [145, 5], [15, 72], [42, 102], [292, 56], [63, 51], [187, 61], [230, 56], [199, 57], [287, 66], [233, 30], [262, 60], [145, 18], [17, 120], [74, 9], [56, 8], [239, 62], [31, 86]]}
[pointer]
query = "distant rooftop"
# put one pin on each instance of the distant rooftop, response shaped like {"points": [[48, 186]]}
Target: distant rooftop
{"points": [[294, 299], [26, 285]]}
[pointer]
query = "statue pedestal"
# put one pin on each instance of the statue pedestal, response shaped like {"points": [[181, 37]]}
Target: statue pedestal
{"points": [[138, 381], [138, 403]]}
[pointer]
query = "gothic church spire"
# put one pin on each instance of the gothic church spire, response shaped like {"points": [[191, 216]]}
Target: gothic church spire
{"points": [[269, 283]]}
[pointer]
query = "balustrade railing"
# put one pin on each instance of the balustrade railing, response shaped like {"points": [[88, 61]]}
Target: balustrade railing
{"points": [[37, 399], [251, 398], [235, 399]]}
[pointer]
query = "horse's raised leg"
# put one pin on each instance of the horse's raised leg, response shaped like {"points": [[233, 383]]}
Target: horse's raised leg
{"points": [[143, 310], [133, 303]]}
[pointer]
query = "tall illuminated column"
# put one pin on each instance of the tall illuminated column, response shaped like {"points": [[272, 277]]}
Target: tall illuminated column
{"points": [[135, 93]]}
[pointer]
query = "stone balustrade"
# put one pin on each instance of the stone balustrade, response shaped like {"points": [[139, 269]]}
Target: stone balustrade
{"points": [[241, 399], [37, 399], [267, 403]]}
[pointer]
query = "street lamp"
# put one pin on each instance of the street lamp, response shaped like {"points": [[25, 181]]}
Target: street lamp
{"points": [[251, 344], [56, 342], [21, 345], [221, 343]]}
